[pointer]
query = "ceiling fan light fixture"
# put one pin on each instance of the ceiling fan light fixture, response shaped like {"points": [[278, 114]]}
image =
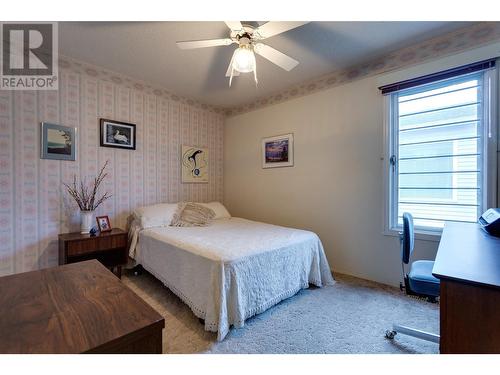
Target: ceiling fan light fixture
{"points": [[244, 59], [249, 43]]}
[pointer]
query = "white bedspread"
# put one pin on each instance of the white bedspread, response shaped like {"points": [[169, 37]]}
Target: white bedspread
{"points": [[232, 269]]}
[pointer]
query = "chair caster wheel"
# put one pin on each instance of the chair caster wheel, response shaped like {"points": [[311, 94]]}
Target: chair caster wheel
{"points": [[390, 334]]}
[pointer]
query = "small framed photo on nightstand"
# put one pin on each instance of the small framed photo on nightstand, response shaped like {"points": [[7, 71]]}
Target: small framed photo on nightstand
{"points": [[103, 223]]}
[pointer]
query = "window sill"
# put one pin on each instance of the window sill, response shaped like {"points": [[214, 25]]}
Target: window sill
{"points": [[419, 235]]}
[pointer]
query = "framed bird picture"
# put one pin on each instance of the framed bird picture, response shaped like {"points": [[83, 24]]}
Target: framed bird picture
{"points": [[117, 134], [194, 164]]}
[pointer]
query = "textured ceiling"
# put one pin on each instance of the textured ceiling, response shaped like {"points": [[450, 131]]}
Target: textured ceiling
{"points": [[147, 51]]}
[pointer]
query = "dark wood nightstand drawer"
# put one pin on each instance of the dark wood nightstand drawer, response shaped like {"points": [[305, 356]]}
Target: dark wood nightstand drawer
{"points": [[111, 242], [90, 245], [110, 248], [82, 247]]}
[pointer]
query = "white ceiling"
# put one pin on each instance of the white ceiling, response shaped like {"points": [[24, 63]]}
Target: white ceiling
{"points": [[147, 51]]}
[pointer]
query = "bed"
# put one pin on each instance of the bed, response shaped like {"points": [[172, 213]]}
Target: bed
{"points": [[232, 269]]}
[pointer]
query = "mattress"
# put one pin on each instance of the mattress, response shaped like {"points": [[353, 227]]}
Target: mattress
{"points": [[234, 268]]}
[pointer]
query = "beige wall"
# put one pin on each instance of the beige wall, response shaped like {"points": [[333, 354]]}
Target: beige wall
{"points": [[336, 186]]}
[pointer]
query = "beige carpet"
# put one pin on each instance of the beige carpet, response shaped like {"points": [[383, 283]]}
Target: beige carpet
{"points": [[349, 317]]}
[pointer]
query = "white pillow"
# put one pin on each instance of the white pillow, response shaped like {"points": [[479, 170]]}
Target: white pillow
{"points": [[156, 215], [219, 209]]}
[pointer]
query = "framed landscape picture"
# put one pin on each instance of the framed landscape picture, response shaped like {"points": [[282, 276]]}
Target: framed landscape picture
{"points": [[277, 151], [117, 134], [194, 164], [58, 142]]}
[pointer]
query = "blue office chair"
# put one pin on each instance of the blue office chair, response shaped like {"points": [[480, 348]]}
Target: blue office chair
{"points": [[419, 282]]}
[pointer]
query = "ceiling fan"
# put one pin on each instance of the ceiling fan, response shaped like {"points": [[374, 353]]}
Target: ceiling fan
{"points": [[249, 43]]}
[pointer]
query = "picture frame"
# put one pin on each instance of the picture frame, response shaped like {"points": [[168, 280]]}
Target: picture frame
{"points": [[277, 151], [103, 223], [58, 142], [117, 134], [194, 164]]}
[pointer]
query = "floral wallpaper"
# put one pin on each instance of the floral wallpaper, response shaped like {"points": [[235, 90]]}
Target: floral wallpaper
{"points": [[34, 208]]}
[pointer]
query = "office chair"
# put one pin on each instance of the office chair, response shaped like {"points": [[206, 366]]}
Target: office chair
{"points": [[419, 282]]}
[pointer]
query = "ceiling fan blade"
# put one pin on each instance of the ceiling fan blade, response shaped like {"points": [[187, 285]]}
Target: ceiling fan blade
{"points": [[234, 25], [275, 56], [272, 28], [191, 44]]}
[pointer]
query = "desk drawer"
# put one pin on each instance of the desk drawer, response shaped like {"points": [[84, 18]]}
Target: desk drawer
{"points": [[469, 318]]}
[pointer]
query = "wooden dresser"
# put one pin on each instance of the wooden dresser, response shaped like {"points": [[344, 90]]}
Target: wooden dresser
{"points": [[110, 248], [76, 308], [468, 266]]}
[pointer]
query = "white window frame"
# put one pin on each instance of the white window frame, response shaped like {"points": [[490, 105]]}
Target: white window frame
{"points": [[489, 170]]}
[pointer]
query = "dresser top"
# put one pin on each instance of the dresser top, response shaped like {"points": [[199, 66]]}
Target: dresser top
{"points": [[69, 309]]}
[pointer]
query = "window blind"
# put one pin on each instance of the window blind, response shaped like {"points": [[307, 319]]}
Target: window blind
{"points": [[438, 151], [434, 77]]}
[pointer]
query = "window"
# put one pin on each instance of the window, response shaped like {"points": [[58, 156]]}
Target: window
{"points": [[440, 154]]}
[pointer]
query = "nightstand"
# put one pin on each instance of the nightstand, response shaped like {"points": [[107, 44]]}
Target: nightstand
{"points": [[109, 248]]}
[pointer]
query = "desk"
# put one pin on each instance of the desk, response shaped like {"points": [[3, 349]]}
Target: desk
{"points": [[468, 266], [76, 308]]}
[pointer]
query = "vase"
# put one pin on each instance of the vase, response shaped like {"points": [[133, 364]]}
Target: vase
{"points": [[87, 221]]}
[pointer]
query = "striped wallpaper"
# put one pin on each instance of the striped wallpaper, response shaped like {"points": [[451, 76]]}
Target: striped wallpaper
{"points": [[34, 208]]}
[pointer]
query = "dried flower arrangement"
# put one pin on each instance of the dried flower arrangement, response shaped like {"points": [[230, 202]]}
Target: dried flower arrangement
{"points": [[85, 195]]}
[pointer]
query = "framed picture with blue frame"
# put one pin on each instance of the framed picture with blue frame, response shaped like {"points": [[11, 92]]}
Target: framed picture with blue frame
{"points": [[58, 142]]}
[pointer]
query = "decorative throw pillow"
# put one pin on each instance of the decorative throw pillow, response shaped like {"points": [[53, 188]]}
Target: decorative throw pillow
{"points": [[190, 214], [220, 211]]}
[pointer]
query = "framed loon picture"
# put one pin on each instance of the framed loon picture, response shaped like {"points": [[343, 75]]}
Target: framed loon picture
{"points": [[117, 134], [58, 142], [194, 164]]}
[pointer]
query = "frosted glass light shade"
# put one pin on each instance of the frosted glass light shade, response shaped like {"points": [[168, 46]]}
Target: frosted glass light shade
{"points": [[244, 60]]}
